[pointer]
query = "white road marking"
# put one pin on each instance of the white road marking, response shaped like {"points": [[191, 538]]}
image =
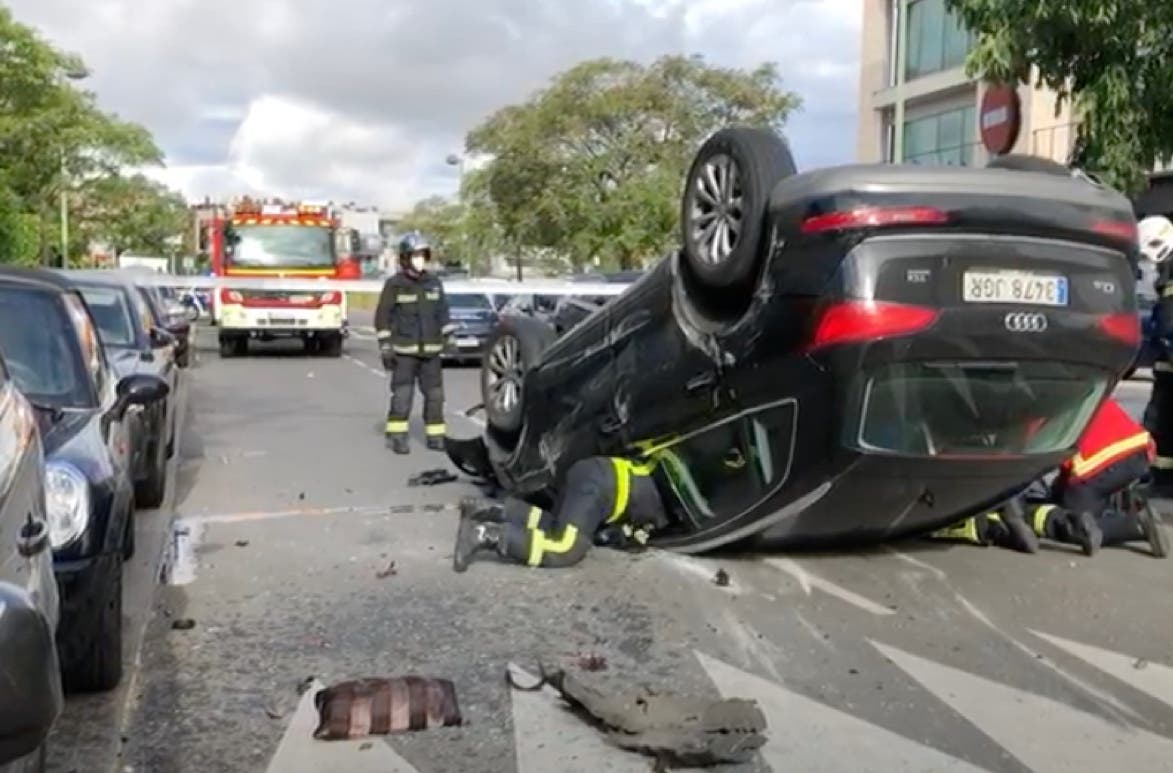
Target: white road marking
{"points": [[299, 752], [936, 571], [1153, 679], [702, 568], [1044, 734], [808, 581], [180, 560], [266, 515], [802, 732], [548, 737], [755, 647]]}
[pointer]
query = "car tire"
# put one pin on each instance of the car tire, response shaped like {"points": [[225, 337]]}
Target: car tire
{"points": [[514, 347], [98, 650], [737, 162], [331, 346], [150, 492], [233, 347]]}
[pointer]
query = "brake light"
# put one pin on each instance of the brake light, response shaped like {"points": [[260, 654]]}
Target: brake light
{"points": [[332, 296], [230, 296], [855, 321], [1124, 230], [349, 268], [873, 217], [1124, 327]]}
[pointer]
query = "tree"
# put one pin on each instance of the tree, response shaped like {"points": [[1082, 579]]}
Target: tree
{"points": [[1112, 58], [132, 214], [52, 135], [591, 167]]}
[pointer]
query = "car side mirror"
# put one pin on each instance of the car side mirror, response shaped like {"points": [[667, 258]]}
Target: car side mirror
{"points": [[140, 389], [161, 338], [32, 691]]}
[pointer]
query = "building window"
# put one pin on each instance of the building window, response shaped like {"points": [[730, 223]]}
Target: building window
{"points": [[936, 39], [941, 139]]}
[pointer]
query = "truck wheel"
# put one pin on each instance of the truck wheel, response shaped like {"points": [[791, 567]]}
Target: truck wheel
{"points": [[94, 653], [723, 210], [233, 346], [515, 346]]}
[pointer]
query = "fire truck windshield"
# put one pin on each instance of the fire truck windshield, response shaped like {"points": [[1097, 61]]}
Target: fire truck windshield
{"points": [[280, 246]]}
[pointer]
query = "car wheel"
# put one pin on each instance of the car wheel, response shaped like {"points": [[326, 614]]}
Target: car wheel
{"points": [[149, 493], [515, 346], [331, 346], [233, 347], [723, 211], [95, 663]]}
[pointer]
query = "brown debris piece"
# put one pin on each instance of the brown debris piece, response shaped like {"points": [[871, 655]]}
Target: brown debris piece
{"points": [[721, 578], [242, 543], [592, 662], [183, 624], [390, 571], [364, 707]]}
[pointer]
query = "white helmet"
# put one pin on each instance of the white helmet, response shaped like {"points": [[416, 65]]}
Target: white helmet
{"points": [[1156, 238]]}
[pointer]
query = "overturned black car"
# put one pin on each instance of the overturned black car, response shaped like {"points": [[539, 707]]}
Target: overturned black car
{"points": [[853, 353]]}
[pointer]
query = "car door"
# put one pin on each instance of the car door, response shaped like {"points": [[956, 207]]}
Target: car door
{"points": [[162, 362]]}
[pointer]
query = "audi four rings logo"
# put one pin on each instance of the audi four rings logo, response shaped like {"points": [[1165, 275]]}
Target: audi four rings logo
{"points": [[1025, 322]]}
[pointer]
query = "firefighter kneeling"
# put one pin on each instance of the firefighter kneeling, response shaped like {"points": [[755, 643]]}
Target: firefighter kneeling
{"points": [[605, 499], [1112, 455]]}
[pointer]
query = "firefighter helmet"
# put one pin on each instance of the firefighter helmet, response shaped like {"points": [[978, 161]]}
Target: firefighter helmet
{"points": [[412, 243], [1156, 238]]}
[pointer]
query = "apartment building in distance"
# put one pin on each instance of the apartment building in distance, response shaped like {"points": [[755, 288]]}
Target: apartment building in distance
{"points": [[917, 106]]}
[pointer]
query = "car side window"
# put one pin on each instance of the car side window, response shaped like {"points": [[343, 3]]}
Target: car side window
{"points": [[88, 338], [724, 470], [142, 314]]}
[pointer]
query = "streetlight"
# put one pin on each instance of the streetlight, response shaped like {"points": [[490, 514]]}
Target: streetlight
{"points": [[75, 73]]}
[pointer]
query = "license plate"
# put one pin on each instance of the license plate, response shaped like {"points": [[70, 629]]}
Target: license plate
{"points": [[467, 343], [281, 321], [1014, 287]]}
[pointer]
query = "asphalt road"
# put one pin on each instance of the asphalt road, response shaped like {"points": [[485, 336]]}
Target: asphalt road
{"points": [[288, 512]]}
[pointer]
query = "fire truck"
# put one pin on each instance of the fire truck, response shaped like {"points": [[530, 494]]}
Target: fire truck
{"points": [[278, 240]]}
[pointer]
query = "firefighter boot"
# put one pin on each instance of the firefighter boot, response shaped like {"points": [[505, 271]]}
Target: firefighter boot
{"points": [[1154, 532], [1021, 536], [481, 510], [1082, 530], [399, 444], [434, 443], [471, 538]]}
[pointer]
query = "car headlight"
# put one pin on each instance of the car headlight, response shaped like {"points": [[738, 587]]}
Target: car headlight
{"points": [[67, 499]]}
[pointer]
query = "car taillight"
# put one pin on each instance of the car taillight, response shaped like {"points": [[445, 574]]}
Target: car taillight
{"points": [[1122, 230], [1124, 327], [855, 321], [332, 296], [230, 296], [873, 217]]}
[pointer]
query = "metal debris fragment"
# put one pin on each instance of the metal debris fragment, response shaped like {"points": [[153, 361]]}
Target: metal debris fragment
{"points": [[390, 571], [721, 578], [242, 543], [432, 477], [183, 624]]}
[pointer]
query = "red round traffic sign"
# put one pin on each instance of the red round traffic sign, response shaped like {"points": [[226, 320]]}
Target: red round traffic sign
{"points": [[1000, 119]]}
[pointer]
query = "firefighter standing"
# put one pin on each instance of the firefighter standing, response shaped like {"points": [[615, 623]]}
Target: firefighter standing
{"points": [[1156, 245], [411, 322]]}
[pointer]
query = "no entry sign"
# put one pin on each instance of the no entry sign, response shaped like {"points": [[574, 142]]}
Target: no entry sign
{"points": [[1000, 119]]}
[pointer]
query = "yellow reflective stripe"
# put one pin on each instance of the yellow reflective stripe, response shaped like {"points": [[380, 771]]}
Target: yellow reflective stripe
{"points": [[622, 488], [432, 295], [1163, 463], [382, 334], [966, 530], [650, 447], [434, 429], [407, 298], [1167, 291], [396, 426], [433, 347], [995, 516], [1039, 521], [533, 520], [540, 544], [1081, 466], [406, 348], [1160, 366]]}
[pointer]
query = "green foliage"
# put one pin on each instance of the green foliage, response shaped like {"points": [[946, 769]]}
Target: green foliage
{"points": [[131, 214], [591, 167], [54, 138], [1112, 58]]}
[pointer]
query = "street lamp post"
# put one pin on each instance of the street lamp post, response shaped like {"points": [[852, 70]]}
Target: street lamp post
{"points": [[74, 74]]}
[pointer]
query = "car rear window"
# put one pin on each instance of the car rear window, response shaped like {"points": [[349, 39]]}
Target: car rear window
{"points": [[109, 310], [979, 409], [39, 348]]}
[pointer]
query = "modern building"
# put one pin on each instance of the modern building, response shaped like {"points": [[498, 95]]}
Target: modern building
{"points": [[916, 104]]}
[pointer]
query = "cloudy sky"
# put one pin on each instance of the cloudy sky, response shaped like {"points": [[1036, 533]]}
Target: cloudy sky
{"points": [[364, 99]]}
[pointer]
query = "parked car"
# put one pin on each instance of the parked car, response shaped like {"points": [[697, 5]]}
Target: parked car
{"points": [[171, 317], [135, 344], [53, 354], [31, 698], [852, 353], [474, 315]]}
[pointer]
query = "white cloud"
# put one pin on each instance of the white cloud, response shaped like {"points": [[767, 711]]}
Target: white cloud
{"points": [[363, 99]]}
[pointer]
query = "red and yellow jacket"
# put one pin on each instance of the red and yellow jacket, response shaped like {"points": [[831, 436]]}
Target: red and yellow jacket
{"points": [[1110, 436]]}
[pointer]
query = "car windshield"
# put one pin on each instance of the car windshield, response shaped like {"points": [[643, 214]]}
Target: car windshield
{"points": [[469, 302], [109, 309], [980, 409], [39, 347], [280, 246]]}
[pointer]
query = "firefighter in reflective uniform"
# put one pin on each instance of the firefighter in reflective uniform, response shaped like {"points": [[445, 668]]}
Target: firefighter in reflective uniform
{"points": [[411, 322], [1156, 245], [1004, 526], [1113, 454]]}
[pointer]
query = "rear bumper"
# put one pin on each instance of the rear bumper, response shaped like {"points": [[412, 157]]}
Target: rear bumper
{"points": [[32, 696], [280, 320]]}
